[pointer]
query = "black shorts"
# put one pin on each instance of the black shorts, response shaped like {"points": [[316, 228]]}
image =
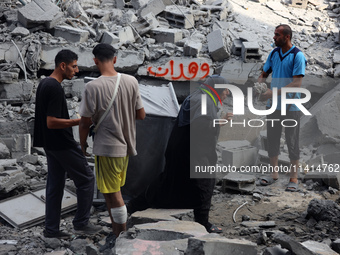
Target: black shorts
{"points": [[291, 124]]}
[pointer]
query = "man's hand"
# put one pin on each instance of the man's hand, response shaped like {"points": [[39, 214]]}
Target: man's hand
{"points": [[266, 95], [228, 116]]}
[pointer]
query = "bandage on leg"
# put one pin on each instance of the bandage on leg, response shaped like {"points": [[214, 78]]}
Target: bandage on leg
{"points": [[119, 214]]}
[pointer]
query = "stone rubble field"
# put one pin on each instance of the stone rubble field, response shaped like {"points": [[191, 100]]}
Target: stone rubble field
{"points": [[178, 41]]}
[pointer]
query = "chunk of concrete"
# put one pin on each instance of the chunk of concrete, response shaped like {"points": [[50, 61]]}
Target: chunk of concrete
{"points": [[240, 157], [276, 250], [250, 52], [11, 179], [137, 4], [217, 46], [126, 35], [319, 248], [336, 245], [213, 244], [4, 151], [8, 77], [291, 244], [164, 237], [85, 57], [17, 90], [109, 38], [39, 12], [75, 10], [20, 31], [129, 61], [179, 16], [71, 34], [166, 35], [239, 182], [192, 48], [153, 6], [19, 145], [154, 215]]}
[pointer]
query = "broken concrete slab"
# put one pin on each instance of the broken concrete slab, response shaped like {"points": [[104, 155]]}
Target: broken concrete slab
{"points": [[4, 151], [20, 31], [71, 34], [237, 72], [8, 77], [164, 237], [238, 181], [319, 248], [217, 45], [11, 179], [170, 35], [39, 12], [213, 244], [19, 145], [289, 243], [154, 6], [179, 16], [75, 10], [178, 69], [126, 35], [85, 57], [17, 90], [154, 215], [129, 61]]}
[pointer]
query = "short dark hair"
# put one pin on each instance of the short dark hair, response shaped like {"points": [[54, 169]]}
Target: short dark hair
{"points": [[214, 79], [66, 56], [104, 52], [286, 30]]}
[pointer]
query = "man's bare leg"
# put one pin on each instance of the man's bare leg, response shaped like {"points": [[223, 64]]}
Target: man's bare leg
{"points": [[274, 162], [294, 171], [115, 200]]}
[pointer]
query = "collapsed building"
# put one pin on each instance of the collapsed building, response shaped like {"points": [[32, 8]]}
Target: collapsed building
{"points": [[162, 42]]}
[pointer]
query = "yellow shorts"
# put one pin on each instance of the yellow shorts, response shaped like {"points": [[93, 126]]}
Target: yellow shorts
{"points": [[110, 173]]}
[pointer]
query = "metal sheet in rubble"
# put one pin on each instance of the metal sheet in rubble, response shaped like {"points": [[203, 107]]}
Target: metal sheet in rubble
{"points": [[159, 100], [28, 209]]}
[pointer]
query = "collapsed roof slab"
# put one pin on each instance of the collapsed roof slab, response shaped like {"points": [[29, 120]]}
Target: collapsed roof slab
{"points": [[39, 12]]}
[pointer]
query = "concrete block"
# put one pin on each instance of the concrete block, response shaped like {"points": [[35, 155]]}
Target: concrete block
{"points": [[241, 156], [85, 57], [75, 10], [126, 35], [39, 12], [250, 51], [192, 48], [237, 47], [177, 18], [153, 6], [291, 244], [8, 77], [137, 4], [129, 61], [20, 31], [4, 151], [17, 90], [11, 179], [299, 3], [18, 144], [258, 224], [217, 46], [170, 35], [109, 38], [120, 4], [145, 24], [319, 248], [239, 182], [164, 237], [71, 34], [213, 244]]}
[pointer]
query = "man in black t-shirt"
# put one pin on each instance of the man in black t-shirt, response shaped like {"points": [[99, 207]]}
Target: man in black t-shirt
{"points": [[53, 132]]}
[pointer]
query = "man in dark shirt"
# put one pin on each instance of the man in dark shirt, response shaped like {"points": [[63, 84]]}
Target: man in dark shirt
{"points": [[53, 132]]}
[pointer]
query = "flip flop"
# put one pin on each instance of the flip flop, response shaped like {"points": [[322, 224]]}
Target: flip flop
{"points": [[292, 187], [268, 180], [215, 229]]}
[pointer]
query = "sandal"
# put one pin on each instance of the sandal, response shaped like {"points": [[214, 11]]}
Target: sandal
{"points": [[292, 187], [267, 180], [215, 229]]}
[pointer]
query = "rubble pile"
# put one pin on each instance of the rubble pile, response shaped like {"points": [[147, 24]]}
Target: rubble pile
{"points": [[177, 41]]}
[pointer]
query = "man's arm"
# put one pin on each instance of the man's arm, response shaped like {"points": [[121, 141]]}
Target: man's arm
{"points": [[140, 114], [296, 83], [84, 127], [56, 123], [263, 76]]}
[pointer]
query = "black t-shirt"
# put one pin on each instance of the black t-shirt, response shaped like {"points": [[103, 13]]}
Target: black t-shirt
{"points": [[51, 101]]}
